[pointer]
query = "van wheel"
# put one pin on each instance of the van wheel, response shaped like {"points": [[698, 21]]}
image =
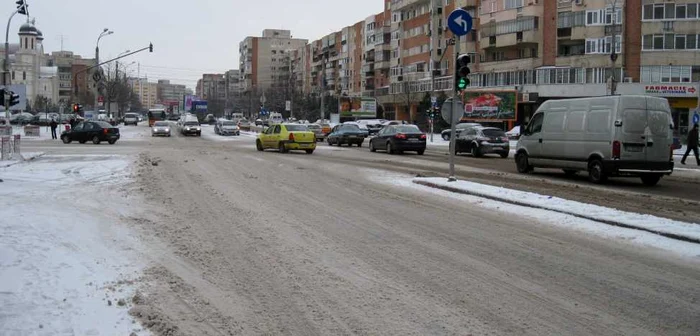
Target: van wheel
{"points": [[66, 139], [259, 146], [570, 172], [650, 179], [596, 173], [522, 163]]}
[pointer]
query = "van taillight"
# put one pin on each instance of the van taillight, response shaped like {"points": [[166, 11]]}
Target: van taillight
{"points": [[291, 136], [616, 150]]}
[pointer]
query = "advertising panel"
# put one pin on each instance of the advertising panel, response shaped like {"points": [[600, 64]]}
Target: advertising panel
{"points": [[199, 106], [357, 107], [496, 105], [188, 102]]}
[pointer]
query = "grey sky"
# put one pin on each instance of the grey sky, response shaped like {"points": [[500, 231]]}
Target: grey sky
{"points": [[189, 37]]}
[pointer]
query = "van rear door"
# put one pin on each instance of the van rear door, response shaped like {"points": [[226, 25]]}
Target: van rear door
{"points": [[646, 132], [634, 126]]}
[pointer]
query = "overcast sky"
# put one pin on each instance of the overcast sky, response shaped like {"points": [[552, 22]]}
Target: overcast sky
{"points": [[189, 37]]}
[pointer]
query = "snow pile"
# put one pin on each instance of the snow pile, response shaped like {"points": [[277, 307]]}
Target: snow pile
{"points": [[140, 132], [63, 263], [589, 211]]}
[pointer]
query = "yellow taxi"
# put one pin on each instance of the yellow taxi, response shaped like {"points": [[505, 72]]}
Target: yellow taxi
{"points": [[286, 137]]}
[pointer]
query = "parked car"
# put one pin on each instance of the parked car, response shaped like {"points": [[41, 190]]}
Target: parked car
{"points": [[349, 134], [605, 136], [160, 128], [514, 133], [483, 140], [190, 126], [95, 131], [399, 138], [21, 118], [373, 125], [445, 134], [209, 119], [286, 137], [258, 122], [131, 119], [226, 127], [318, 131]]}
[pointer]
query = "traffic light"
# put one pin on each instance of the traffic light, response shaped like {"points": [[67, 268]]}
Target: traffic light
{"points": [[22, 7], [14, 99], [462, 72], [77, 108]]}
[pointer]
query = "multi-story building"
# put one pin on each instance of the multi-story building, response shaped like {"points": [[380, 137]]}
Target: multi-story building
{"points": [[213, 87], [170, 94], [146, 91], [72, 72], [262, 57]]}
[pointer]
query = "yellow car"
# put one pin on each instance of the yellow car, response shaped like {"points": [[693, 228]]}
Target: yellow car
{"points": [[286, 137]]}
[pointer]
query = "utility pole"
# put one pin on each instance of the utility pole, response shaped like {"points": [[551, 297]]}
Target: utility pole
{"points": [[434, 37], [291, 86], [323, 88], [613, 51]]}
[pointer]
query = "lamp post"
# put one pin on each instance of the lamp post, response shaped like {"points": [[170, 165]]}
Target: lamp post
{"points": [[104, 33]]}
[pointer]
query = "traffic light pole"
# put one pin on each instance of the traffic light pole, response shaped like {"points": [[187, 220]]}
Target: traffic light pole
{"points": [[455, 106]]}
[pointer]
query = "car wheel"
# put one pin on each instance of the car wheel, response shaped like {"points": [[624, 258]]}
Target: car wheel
{"points": [[329, 142], [371, 147], [476, 151], [650, 179], [504, 155], [259, 146], [309, 151], [112, 142], [389, 148], [522, 163], [421, 152], [596, 174], [96, 140], [282, 147], [446, 137], [359, 144], [66, 139], [570, 172]]}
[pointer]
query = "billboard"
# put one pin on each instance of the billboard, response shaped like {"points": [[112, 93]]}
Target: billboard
{"points": [[199, 106], [188, 99], [357, 107], [496, 105]]}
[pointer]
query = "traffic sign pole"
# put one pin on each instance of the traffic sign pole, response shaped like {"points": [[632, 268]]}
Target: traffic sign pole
{"points": [[453, 122]]}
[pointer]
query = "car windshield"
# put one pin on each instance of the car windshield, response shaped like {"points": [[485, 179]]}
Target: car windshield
{"points": [[191, 123], [296, 128], [313, 127], [408, 129], [228, 123], [161, 124], [493, 133], [130, 115], [461, 126], [349, 128]]}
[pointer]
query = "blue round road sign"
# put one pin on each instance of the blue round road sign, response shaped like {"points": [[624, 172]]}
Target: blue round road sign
{"points": [[696, 118], [460, 22]]}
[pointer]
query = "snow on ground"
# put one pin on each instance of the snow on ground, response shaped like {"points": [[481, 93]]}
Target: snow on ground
{"points": [[140, 132], [44, 133], [682, 248], [65, 265], [208, 134], [21, 158]]}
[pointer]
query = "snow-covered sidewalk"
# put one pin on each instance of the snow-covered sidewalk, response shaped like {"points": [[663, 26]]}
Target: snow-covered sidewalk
{"points": [[65, 259]]}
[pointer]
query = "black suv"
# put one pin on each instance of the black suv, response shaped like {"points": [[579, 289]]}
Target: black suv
{"points": [[458, 129], [483, 140]]}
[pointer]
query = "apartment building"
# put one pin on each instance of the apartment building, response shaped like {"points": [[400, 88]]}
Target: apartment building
{"points": [[213, 87], [262, 57], [70, 66], [170, 94], [146, 91]]}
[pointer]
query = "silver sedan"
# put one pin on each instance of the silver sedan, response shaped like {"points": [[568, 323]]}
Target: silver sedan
{"points": [[161, 128]]}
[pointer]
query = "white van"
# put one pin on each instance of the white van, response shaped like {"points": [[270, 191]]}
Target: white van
{"points": [[276, 118], [605, 136]]}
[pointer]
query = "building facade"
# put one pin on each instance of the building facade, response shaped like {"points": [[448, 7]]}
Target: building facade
{"points": [[170, 94], [262, 59], [146, 91]]}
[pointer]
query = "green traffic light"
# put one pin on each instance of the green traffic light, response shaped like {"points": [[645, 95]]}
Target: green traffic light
{"points": [[462, 84]]}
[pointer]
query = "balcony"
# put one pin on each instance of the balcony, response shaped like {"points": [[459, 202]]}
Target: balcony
{"points": [[368, 93], [368, 69], [521, 24], [508, 63], [531, 37], [369, 57], [470, 4], [397, 5]]}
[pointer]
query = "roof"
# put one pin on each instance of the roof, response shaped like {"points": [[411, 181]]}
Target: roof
{"points": [[28, 29]]}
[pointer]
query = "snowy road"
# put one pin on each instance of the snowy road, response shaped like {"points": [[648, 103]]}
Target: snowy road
{"points": [[241, 242]]}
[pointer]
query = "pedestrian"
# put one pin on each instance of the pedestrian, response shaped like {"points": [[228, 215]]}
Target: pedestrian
{"points": [[53, 125], [692, 145]]}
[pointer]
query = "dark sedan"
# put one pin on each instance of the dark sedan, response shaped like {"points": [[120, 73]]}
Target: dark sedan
{"points": [[346, 134], [398, 139], [483, 140], [95, 131]]}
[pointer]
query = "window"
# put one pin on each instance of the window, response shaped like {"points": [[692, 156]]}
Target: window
{"points": [[680, 11], [512, 4], [659, 12], [535, 125], [24, 75], [599, 17], [666, 74], [691, 11], [603, 45], [13, 75]]}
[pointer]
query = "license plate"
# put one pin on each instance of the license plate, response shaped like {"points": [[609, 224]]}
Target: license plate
{"points": [[353, 136], [496, 148], [304, 146], [413, 139]]}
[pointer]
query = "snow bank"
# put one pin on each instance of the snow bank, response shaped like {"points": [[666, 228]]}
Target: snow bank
{"points": [[682, 230], [547, 217], [63, 263]]}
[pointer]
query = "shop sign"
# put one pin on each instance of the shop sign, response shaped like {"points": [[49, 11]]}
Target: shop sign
{"points": [[670, 90]]}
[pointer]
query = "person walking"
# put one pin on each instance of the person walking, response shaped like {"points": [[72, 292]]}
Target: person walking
{"points": [[53, 125], [692, 145]]}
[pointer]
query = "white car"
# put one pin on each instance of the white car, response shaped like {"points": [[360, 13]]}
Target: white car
{"points": [[131, 118], [161, 128]]}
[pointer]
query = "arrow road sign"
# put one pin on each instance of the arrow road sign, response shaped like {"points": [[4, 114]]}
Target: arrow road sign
{"points": [[696, 118], [460, 22]]}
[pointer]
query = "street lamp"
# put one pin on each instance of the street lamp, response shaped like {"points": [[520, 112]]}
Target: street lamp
{"points": [[104, 33]]}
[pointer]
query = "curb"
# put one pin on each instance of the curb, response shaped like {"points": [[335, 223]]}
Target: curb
{"points": [[525, 204]]}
